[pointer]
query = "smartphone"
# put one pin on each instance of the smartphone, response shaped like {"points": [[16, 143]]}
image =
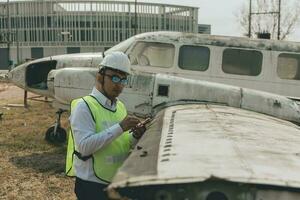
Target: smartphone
{"points": [[146, 121], [143, 123]]}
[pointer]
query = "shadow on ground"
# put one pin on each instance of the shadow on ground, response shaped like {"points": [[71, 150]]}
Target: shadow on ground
{"points": [[50, 162]]}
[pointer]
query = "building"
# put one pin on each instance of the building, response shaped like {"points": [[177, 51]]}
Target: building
{"points": [[42, 28], [204, 28]]}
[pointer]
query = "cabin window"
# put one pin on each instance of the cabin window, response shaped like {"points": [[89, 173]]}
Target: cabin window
{"points": [[194, 58], [152, 54], [242, 62], [288, 66]]}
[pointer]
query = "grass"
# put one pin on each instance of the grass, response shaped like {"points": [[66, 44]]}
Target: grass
{"points": [[30, 168]]}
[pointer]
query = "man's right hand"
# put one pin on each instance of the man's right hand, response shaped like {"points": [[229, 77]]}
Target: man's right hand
{"points": [[129, 122]]}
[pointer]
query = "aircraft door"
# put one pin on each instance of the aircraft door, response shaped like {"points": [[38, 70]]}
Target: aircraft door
{"points": [[137, 96]]}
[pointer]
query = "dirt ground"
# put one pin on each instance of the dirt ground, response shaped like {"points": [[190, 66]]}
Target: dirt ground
{"points": [[9, 92], [30, 168]]}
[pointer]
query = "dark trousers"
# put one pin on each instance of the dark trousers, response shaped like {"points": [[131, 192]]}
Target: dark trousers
{"points": [[87, 190]]}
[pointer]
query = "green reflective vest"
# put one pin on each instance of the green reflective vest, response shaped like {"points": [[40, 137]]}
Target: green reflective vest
{"points": [[107, 160]]}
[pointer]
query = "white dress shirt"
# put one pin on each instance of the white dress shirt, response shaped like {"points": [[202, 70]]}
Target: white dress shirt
{"points": [[87, 141]]}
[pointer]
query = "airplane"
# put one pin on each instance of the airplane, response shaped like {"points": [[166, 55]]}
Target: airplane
{"points": [[195, 56], [206, 140]]}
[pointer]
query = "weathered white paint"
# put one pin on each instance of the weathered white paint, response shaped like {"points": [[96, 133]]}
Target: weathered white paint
{"points": [[225, 143]]}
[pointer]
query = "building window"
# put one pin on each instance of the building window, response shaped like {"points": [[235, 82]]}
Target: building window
{"points": [[37, 52], [194, 58], [73, 50], [242, 62], [152, 54], [288, 66]]}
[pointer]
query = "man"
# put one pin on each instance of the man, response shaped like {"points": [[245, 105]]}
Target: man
{"points": [[99, 140]]}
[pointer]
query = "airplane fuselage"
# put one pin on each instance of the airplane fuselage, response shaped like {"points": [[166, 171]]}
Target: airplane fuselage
{"points": [[266, 65]]}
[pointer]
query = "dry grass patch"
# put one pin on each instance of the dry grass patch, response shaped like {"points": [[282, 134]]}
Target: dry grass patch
{"points": [[30, 168]]}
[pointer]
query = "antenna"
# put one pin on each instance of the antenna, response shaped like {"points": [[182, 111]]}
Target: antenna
{"points": [[278, 13]]}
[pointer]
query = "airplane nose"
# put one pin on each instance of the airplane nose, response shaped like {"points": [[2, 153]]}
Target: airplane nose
{"points": [[17, 75]]}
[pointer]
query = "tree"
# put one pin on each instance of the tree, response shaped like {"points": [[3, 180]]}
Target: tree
{"points": [[290, 12]]}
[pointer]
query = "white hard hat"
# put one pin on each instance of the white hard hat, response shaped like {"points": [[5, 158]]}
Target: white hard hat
{"points": [[116, 60]]}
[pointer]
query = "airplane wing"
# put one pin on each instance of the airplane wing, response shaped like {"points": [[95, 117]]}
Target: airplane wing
{"points": [[211, 151]]}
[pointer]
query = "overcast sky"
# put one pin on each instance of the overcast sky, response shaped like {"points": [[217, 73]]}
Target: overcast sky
{"points": [[220, 14]]}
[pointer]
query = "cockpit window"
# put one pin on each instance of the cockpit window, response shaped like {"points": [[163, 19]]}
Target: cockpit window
{"points": [[152, 54], [37, 73], [194, 58], [288, 66]]}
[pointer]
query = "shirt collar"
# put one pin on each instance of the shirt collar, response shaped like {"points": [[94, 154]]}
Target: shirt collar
{"points": [[103, 100]]}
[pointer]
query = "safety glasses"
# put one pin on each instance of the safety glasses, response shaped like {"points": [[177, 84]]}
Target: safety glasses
{"points": [[117, 79]]}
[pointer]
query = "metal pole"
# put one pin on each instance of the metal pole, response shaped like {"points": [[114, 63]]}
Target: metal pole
{"points": [[17, 35], [279, 12], [135, 17], [18, 48], [8, 32], [250, 13], [25, 99]]}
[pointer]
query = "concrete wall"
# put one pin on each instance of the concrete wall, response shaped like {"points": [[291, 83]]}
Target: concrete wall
{"points": [[51, 51], [25, 53], [91, 49]]}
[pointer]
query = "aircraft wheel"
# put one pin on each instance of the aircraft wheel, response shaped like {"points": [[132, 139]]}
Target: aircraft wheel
{"points": [[56, 138]]}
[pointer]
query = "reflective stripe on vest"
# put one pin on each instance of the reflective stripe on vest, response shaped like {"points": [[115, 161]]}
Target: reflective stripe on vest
{"points": [[107, 160]]}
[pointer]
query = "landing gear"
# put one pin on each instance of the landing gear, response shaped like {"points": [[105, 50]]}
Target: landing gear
{"points": [[56, 134]]}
